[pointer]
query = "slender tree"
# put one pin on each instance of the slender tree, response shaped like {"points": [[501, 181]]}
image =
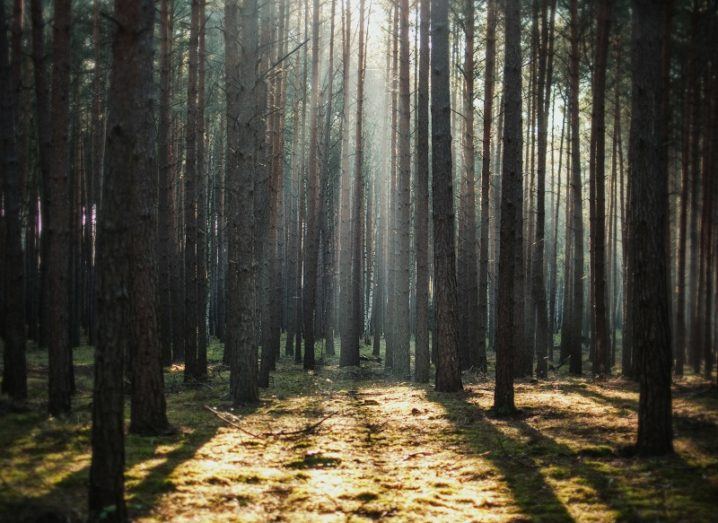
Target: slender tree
{"points": [[403, 199], [241, 44], [483, 274], [14, 380], [648, 208], [509, 321], [467, 266], [58, 210], [311, 249], [421, 192], [448, 371], [600, 340]]}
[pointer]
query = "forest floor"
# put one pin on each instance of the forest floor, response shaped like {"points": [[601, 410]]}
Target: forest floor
{"points": [[350, 444]]}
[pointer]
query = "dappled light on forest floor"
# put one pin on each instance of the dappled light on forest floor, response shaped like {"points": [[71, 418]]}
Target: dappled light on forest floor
{"points": [[352, 444]]}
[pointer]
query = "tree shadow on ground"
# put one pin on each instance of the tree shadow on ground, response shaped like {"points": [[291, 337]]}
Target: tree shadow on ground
{"points": [[520, 451]]}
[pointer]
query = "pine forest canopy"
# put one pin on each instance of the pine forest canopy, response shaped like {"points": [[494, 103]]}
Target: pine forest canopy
{"points": [[259, 214]]}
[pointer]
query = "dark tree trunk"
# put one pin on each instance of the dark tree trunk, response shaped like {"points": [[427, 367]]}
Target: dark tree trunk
{"points": [[571, 344], [190, 203], [356, 322], [483, 275], [648, 208], [600, 341], [448, 371], [509, 321], [14, 382], [58, 211], [401, 366], [311, 247], [202, 179], [165, 188], [128, 151], [148, 408], [466, 268], [241, 44], [422, 201]]}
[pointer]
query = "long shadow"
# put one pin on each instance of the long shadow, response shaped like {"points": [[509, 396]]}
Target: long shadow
{"points": [[673, 471], [534, 496], [702, 431], [144, 496]]}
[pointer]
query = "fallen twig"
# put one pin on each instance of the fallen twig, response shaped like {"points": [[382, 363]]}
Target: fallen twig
{"points": [[221, 416], [306, 430]]}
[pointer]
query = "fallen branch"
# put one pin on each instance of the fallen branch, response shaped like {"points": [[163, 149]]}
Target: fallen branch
{"points": [[306, 430], [416, 454], [221, 416]]}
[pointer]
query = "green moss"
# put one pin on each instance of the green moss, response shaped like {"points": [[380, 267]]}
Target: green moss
{"points": [[386, 449]]}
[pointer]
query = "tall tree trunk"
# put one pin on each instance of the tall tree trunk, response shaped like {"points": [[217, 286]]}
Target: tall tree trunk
{"points": [[648, 207], [14, 380], [543, 334], [468, 294], [311, 249], [202, 179], [357, 226], [571, 344], [401, 354], [509, 321], [148, 408], [164, 218], [600, 340], [190, 203], [128, 151], [348, 352], [58, 214], [483, 276], [42, 115], [421, 191], [448, 371], [241, 44]]}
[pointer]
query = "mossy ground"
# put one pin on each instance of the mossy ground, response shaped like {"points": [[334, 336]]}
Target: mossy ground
{"points": [[389, 449]]}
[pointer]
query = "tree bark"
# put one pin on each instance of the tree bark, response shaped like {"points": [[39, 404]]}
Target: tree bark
{"points": [[448, 371], [600, 340], [127, 159], [58, 214], [241, 43], [648, 208], [14, 381], [509, 321], [421, 224]]}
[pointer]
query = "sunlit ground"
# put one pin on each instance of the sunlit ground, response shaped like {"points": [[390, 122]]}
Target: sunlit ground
{"points": [[386, 450]]}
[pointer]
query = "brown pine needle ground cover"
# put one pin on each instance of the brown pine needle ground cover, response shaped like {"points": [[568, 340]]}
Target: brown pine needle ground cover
{"points": [[353, 445]]}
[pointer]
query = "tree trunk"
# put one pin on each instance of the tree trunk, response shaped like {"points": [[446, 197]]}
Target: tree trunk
{"points": [[468, 291], [648, 207], [348, 352], [190, 203], [127, 153], [483, 276], [421, 189], [401, 366], [448, 371], [148, 408], [600, 340], [14, 382], [58, 214], [311, 249], [509, 321], [241, 44], [164, 218]]}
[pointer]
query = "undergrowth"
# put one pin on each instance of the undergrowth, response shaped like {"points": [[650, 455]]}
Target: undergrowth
{"points": [[354, 444]]}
